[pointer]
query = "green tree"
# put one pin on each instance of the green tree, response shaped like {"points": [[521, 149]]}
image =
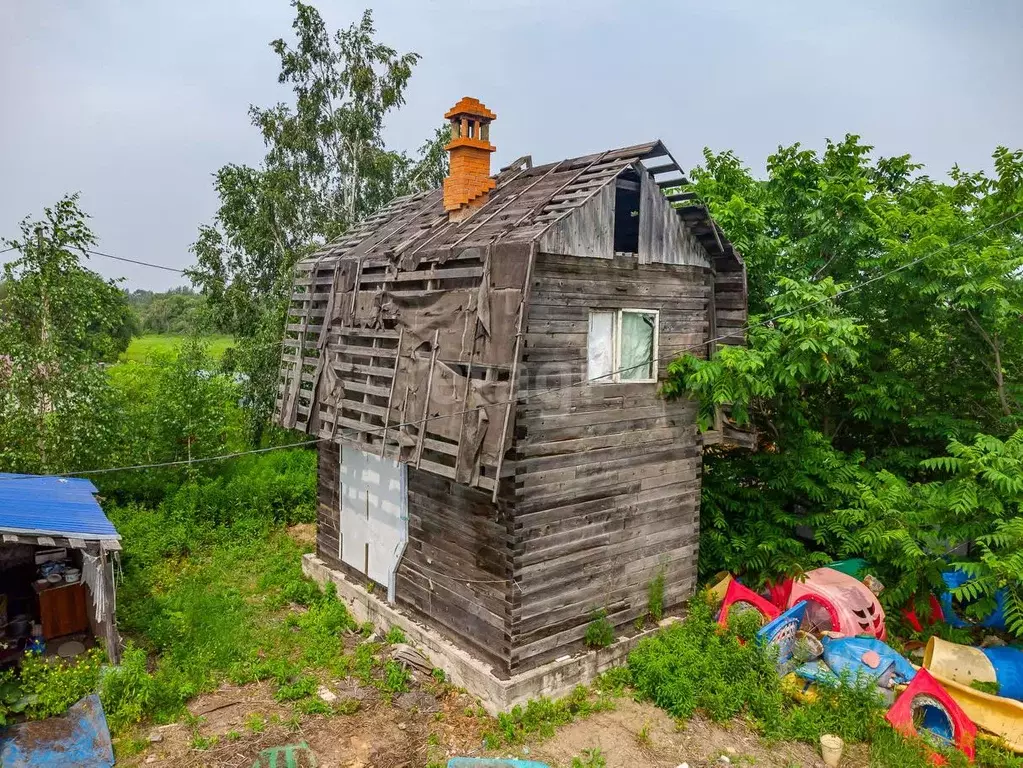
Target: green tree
{"points": [[909, 347], [58, 322], [326, 167]]}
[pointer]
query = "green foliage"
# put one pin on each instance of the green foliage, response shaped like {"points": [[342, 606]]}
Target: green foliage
{"points": [[694, 666], [540, 717], [655, 596], [47, 687], [58, 321], [179, 311], [297, 688], [143, 349], [985, 687], [395, 636], [590, 758], [396, 677], [885, 342], [126, 691], [325, 169], [600, 632], [173, 407], [209, 579], [690, 666]]}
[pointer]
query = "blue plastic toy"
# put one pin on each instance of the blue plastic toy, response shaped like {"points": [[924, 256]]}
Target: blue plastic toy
{"points": [[995, 620], [845, 655]]}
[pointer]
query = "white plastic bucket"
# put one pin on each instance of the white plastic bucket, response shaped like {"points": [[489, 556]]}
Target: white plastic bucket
{"points": [[831, 750]]}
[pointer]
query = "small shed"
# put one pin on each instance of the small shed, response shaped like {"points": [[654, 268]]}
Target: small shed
{"points": [[482, 362], [56, 566]]}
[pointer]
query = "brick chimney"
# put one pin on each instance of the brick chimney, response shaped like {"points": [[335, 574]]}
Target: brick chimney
{"points": [[468, 181]]}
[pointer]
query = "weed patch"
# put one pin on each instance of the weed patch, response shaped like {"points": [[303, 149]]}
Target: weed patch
{"points": [[540, 717]]}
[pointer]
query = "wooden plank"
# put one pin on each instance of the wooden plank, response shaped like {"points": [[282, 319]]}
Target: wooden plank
{"points": [[421, 427], [390, 393]]}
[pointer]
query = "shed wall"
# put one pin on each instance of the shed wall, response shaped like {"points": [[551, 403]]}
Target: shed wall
{"points": [[456, 569], [607, 476]]}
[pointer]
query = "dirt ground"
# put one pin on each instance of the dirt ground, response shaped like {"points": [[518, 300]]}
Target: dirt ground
{"points": [[236, 725]]}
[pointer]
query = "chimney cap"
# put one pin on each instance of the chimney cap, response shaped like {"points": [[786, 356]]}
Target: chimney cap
{"points": [[471, 107]]}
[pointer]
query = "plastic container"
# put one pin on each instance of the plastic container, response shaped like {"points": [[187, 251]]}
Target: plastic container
{"points": [[965, 664], [71, 575], [831, 750], [20, 626]]}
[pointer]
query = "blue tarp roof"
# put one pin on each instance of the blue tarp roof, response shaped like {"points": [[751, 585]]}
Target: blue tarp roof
{"points": [[40, 505]]}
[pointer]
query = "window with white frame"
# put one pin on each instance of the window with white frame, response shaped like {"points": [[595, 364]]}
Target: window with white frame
{"points": [[622, 346]]}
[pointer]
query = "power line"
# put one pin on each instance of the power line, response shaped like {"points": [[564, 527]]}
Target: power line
{"points": [[94, 252], [178, 463], [552, 390], [134, 261]]}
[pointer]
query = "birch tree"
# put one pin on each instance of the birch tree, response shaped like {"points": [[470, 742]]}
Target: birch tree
{"points": [[326, 167]]}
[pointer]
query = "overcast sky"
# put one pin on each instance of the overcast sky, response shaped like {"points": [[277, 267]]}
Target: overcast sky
{"points": [[135, 104]]}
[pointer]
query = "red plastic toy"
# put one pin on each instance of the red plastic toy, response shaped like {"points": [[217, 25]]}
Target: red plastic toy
{"points": [[737, 594], [940, 715], [936, 614]]}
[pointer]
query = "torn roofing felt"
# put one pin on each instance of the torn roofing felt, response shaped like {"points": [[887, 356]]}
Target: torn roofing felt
{"points": [[414, 316]]}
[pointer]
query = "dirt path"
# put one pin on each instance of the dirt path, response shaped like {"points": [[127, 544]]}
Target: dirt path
{"points": [[423, 731]]}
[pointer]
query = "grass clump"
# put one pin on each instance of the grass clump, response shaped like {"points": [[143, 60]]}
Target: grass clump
{"points": [[600, 632], [690, 666], [395, 636], [540, 717], [590, 758]]}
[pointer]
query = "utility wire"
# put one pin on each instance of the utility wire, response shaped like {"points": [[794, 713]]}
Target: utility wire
{"points": [[552, 390], [178, 463], [134, 261], [118, 258]]}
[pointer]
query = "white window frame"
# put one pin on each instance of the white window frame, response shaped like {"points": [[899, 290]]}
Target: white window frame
{"points": [[616, 345]]}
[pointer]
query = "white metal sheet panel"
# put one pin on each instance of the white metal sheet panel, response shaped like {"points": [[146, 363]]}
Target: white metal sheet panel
{"points": [[374, 513]]}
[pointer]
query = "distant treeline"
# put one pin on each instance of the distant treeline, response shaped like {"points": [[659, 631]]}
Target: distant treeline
{"points": [[178, 311]]}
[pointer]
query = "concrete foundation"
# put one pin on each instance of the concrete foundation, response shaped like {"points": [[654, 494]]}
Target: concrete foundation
{"points": [[552, 680]]}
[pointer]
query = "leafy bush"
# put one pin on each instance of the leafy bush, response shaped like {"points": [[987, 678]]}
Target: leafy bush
{"points": [[600, 632], [396, 677], [395, 636], [127, 691], [590, 758], [47, 687], [690, 666]]}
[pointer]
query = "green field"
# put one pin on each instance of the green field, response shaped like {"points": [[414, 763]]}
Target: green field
{"points": [[142, 347]]}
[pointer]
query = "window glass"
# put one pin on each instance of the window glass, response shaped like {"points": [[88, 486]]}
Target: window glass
{"points": [[600, 342], [637, 351]]}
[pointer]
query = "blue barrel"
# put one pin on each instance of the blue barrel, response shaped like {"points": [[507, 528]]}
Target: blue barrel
{"points": [[1008, 664]]}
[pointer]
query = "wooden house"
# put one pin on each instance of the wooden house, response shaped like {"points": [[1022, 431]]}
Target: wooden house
{"points": [[482, 362]]}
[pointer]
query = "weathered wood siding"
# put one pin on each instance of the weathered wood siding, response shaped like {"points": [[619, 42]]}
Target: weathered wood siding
{"points": [[455, 574], [607, 476], [663, 238], [588, 231], [328, 505], [457, 568]]}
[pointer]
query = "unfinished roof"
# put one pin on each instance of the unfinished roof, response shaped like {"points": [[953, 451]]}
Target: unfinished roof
{"points": [[526, 202]]}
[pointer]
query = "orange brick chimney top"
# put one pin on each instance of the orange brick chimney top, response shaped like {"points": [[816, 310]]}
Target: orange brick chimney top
{"points": [[468, 181]]}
